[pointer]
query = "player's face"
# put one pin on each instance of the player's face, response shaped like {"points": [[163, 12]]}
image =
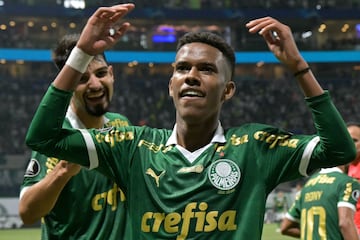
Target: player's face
{"points": [[355, 135], [95, 90], [200, 82]]}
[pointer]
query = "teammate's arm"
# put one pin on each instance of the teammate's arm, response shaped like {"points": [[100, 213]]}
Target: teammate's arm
{"points": [[94, 40], [47, 136], [346, 223], [290, 228], [37, 200]]}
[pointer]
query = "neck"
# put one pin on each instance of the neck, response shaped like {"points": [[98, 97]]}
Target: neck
{"points": [[193, 137]]}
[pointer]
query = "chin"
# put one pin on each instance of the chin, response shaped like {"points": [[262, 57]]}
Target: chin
{"points": [[98, 110]]}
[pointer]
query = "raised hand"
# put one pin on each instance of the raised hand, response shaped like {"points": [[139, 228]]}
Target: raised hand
{"points": [[279, 39], [103, 29]]}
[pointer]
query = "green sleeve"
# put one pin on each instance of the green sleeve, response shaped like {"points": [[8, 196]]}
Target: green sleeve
{"points": [[46, 135], [294, 211], [336, 146]]}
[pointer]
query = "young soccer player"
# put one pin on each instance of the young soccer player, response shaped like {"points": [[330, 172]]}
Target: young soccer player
{"points": [[196, 180]]}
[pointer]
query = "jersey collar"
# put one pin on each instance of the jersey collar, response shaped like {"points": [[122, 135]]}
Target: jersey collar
{"points": [[329, 170], [217, 138]]}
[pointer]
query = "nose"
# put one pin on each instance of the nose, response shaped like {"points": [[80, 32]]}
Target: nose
{"points": [[193, 78], [94, 83]]}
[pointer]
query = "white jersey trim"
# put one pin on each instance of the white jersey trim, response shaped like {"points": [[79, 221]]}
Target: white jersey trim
{"points": [[93, 157], [346, 204], [307, 155]]}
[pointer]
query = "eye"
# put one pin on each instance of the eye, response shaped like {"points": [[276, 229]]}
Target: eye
{"points": [[207, 69], [84, 79], [101, 74], [182, 68]]}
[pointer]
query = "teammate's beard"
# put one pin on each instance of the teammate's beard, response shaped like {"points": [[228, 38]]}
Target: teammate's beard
{"points": [[97, 110]]}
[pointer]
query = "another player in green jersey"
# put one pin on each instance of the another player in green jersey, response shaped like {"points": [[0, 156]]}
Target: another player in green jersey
{"points": [[77, 203], [325, 207], [198, 180]]}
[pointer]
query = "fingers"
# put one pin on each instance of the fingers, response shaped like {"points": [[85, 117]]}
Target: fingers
{"points": [[110, 15], [271, 29], [115, 12], [262, 25], [121, 11], [104, 28], [120, 31], [114, 15]]}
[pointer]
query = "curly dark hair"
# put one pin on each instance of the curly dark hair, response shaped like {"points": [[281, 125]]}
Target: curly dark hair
{"points": [[62, 51], [213, 40]]}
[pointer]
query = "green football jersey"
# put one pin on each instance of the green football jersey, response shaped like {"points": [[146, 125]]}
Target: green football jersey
{"points": [[91, 206], [216, 192], [316, 207], [212, 197]]}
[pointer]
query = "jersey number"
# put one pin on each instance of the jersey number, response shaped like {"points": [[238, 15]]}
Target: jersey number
{"points": [[308, 218]]}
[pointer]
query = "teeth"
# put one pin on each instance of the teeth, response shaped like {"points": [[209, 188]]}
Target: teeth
{"points": [[95, 95], [192, 93]]}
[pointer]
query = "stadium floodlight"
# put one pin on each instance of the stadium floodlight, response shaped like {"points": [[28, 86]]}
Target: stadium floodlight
{"points": [[77, 4], [307, 34], [1, 3]]}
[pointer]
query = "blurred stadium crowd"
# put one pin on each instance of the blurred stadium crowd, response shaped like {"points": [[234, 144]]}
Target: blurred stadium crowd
{"points": [[142, 95], [265, 92]]}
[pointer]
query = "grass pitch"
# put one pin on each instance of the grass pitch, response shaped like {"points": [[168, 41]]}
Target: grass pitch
{"points": [[269, 233], [20, 234]]}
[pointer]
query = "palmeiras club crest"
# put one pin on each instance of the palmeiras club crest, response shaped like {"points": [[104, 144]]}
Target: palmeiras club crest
{"points": [[224, 174]]}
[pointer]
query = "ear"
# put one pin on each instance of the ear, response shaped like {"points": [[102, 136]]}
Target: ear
{"points": [[111, 71], [229, 90], [170, 88]]}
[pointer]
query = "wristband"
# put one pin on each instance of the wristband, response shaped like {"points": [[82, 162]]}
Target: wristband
{"points": [[301, 72], [79, 60]]}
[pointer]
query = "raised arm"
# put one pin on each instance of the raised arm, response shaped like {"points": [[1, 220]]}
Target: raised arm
{"points": [[101, 32], [280, 41], [45, 133], [335, 146]]}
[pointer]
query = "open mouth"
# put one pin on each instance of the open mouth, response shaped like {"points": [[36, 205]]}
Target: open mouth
{"points": [[191, 93], [95, 97]]}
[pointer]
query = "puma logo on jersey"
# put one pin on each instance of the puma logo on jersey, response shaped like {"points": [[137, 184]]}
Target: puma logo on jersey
{"points": [[194, 169], [151, 172]]}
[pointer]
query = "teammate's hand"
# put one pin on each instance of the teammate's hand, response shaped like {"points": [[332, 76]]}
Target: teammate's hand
{"points": [[68, 168], [279, 39], [103, 29]]}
